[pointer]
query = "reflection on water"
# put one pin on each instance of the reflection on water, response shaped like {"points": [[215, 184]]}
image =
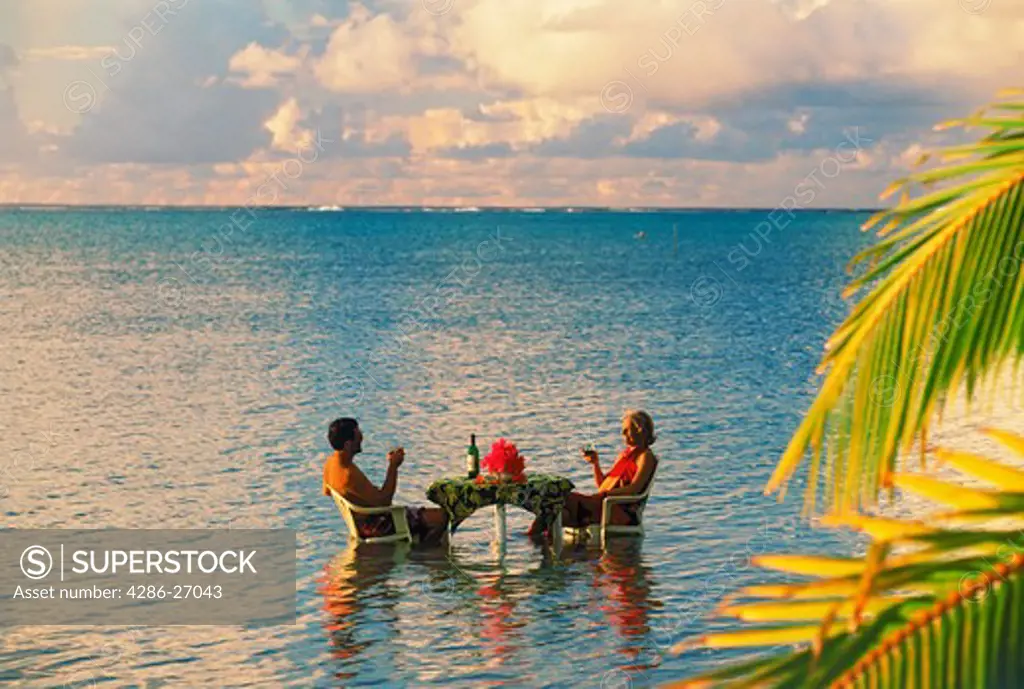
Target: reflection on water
{"points": [[624, 584], [598, 598], [346, 583]]}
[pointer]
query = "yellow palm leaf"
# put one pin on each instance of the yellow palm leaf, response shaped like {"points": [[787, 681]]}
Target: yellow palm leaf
{"points": [[946, 493], [810, 565], [950, 601], [843, 587], [748, 638], [804, 610], [879, 528], [1010, 440], [997, 474]]}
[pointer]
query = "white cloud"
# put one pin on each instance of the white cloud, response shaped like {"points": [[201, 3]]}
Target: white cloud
{"points": [[367, 53], [70, 52], [513, 122], [264, 67], [284, 126], [801, 9], [798, 125], [692, 54], [319, 21], [751, 85]]}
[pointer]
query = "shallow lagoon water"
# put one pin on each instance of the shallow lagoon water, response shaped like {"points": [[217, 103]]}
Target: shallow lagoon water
{"points": [[160, 372]]}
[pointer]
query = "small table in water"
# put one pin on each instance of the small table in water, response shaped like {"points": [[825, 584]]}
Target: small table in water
{"points": [[542, 494]]}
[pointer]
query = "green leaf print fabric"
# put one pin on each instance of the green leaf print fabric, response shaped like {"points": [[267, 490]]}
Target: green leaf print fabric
{"points": [[542, 494]]}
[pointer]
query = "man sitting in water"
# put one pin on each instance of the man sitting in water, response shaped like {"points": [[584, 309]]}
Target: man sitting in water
{"points": [[429, 524]]}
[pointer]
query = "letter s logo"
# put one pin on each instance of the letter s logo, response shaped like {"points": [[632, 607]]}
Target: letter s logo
{"points": [[79, 97], [36, 562], [616, 97]]}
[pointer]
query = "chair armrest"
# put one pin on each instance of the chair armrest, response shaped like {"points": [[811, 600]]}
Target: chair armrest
{"points": [[358, 509], [612, 500], [619, 499], [401, 521], [375, 510]]}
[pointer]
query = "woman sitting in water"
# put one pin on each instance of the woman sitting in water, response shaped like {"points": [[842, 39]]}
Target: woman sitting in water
{"points": [[631, 474]]}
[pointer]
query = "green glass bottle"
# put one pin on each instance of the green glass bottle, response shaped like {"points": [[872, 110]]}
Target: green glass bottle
{"points": [[472, 458]]}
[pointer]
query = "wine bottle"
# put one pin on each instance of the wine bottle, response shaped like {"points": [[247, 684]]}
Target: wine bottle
{"points": [[472, 458]]}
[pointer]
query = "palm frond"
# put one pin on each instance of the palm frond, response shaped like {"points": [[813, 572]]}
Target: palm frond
{"points": [[929, 605], [943, 306]]}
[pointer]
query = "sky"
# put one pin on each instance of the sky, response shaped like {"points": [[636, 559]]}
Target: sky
{"points": [[688, 103]]}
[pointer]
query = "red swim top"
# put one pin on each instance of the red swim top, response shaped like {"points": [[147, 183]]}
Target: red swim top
{"points": [[625, 467]]}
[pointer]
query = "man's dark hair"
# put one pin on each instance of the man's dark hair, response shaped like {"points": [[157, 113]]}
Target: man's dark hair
{"points": [[342, 430]]}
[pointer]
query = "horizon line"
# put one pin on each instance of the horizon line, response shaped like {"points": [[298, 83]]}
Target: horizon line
{"points": [[383, 207]]}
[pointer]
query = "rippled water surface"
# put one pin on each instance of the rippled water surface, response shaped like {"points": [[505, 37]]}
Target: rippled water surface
{"points": [[159, 370]]}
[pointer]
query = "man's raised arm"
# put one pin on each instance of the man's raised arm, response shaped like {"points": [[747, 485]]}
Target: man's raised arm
{"points": [[364, 493], [395, 459]]}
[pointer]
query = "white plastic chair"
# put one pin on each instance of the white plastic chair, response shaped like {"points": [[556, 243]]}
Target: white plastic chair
{"points": [[348, 512], [601, 531]]}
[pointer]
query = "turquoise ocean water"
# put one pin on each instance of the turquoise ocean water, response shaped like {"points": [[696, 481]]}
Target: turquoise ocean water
{"points": [[169, 369]]}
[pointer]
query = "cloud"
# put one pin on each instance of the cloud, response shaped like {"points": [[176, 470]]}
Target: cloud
{"points": [[8, 58], [296, 131], [593, 138], [357, 145], [156, 104], [691, 56], [493, 102], [15, 141], [264, 68], [378, 53], [70, 52], [801, 9], [367, 53], [285, 129], [496, 128], [351, 138], [202, 126], [495, 150]]}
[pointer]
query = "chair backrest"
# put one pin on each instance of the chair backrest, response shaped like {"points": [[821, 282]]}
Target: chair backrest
{"points": [[346, 512], [650, 485], [644, 498]]}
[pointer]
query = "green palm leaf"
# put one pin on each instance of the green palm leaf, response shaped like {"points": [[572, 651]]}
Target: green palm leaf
{"points": [[930, 605], [943, 306]]}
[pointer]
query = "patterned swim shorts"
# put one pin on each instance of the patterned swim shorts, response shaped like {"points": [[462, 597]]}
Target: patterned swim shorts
{"points": [[383, 525]]}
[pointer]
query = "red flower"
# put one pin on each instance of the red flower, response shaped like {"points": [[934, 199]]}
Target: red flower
{"points": [[504, 458]]}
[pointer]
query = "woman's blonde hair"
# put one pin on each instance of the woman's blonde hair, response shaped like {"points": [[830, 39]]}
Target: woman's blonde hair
{"points": [[643, 422]]}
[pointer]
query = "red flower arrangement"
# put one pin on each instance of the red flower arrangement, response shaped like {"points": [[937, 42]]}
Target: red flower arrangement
{"points": [[504, 461]]}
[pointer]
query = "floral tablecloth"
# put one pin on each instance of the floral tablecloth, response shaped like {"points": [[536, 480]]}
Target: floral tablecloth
{"points": [[542, 494]]}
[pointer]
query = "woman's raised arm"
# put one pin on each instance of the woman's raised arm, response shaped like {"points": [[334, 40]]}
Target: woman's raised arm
{"points": [[591, 457]]}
